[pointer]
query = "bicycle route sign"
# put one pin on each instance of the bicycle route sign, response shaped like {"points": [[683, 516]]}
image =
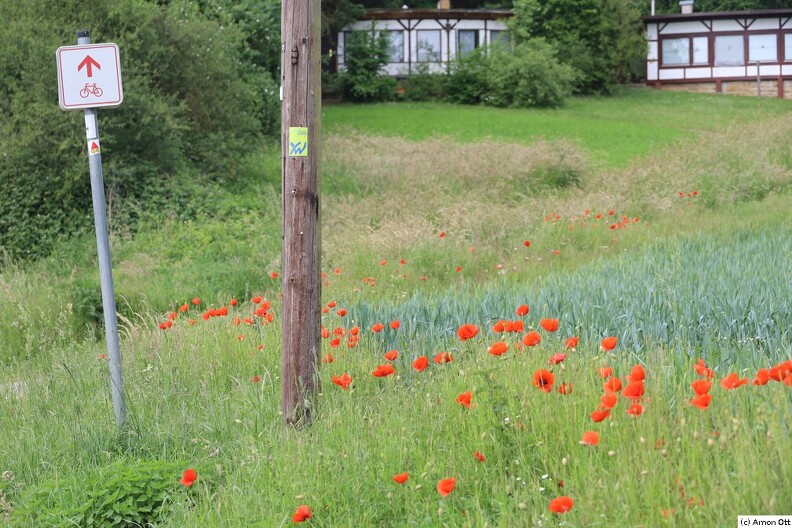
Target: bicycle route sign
{"points": [[89, 76]]}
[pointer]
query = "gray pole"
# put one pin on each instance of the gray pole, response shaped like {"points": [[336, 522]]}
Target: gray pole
{"points": [[103, 248]]}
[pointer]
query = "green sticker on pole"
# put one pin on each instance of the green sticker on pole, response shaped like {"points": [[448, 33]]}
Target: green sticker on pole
{"points": [[298, 141]]}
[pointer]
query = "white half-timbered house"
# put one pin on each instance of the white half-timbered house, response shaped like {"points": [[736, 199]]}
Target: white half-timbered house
{"points": [[740, 52], [430, 37]]}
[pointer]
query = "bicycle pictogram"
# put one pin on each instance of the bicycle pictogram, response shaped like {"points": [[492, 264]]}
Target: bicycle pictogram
{"points": [[91, 89]]}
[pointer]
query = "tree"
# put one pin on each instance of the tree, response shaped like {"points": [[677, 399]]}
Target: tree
{"points": [[603, 39]]}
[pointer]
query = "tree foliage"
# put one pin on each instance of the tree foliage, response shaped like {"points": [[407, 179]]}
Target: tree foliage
{"points": [[192, 103], [602, 39]]}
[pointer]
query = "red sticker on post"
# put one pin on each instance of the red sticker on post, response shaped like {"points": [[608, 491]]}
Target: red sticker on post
{"points": [[93, 147]]}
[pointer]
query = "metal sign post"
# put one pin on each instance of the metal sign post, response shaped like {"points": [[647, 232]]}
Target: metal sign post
{"points": [[79, 85]]}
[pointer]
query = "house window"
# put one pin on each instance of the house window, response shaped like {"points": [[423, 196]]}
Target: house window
{"points": [[501, 37], [395, 46], [676, 52], [467, 41], [762, 48], [428, 43], [729, 51], [700, 50], [788, 47], [685, 51]]}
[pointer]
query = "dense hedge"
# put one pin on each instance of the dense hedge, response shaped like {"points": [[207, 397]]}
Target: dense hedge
{"points": [[197, 96]]}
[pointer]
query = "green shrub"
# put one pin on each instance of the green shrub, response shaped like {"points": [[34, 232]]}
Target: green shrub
{"points": [[421, 85], [469, 78], [364, 80], [530, 76], [123, 494]]}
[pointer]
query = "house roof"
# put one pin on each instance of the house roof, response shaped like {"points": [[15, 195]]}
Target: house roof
{"points": [[754, 13], [434, 14]]}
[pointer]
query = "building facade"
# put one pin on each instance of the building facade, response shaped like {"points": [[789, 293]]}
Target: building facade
{"points": [[741, 52], [430, 38]]}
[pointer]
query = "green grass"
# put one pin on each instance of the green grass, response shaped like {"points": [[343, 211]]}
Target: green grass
{"points": [[696, 277], [615, 130]]}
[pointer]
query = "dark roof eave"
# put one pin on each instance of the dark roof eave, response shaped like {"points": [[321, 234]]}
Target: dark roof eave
{"points": [[434, 14], [756, 13]]}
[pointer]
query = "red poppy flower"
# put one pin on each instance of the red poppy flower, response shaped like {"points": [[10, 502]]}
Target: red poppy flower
{"points": [[634, 390], [302, 514], [338, 331], [383, 370], [527, 243], [442, 234], [335, 342], [600, 414], [701, 369], [522, 310], [274, 274], [701, 386], [609, 400], [467, 331], [196, 301], [355, 330], [732, 382], [443, 357], [325, 333], [571, 342], [561, 505], [565, 388], [328, 358], [532, 338], [464, 399], [498, 327], [762, 377], [184, 307], [544, 379], [508, 326], [257, 299], [391, 355], [612, 385], [377, 328], [342, 312], [421, 363], [256, 378], [609, 343], [498, 348], [555, 359], [343, 380], [590, 438], [395, 325], [188, 477], [233, 302], [401, 478], [446, 486], [478, 456], [637, 374], [550, 325], [635, 409], [458, 269], [163, 326], [518, 326], [605, 372], [701, 401]]}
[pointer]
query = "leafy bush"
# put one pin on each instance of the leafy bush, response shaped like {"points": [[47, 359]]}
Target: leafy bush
{"points": [[530, 76], [469, 79], [366, 56], [124, 494], [424, 86]]}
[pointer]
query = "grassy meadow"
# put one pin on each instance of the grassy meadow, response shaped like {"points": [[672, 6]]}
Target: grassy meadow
{"points": [[663, 220]]}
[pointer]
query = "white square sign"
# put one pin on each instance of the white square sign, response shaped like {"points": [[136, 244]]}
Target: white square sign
{"points": [[89, 76]]}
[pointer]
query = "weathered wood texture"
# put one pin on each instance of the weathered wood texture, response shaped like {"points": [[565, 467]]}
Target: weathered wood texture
{"points": [[301, 283]]}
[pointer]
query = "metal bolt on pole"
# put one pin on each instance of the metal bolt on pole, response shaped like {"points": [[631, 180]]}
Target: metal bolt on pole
{"points": [[103, 248]]}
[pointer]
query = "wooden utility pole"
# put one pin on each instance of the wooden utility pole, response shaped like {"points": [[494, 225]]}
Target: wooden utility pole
{"points": [[301, 110]]}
